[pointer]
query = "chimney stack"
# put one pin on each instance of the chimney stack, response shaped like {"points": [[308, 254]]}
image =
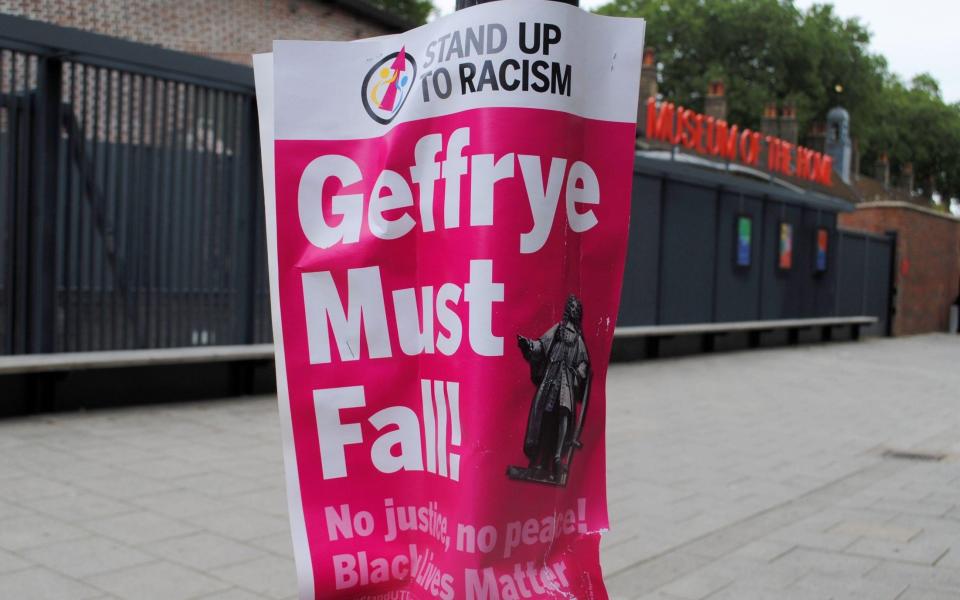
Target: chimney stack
{"points": [[817, 137], [768, 125], [906, 177], [882, 171], [716, 102], [648, 75], [789, 128], [648, 86]]}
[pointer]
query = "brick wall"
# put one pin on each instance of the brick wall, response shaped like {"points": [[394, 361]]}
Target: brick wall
{"points": [[225, 29], [928, 253]]}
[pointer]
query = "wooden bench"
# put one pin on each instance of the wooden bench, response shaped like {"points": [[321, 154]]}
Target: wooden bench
{"points": [[654, 333]]}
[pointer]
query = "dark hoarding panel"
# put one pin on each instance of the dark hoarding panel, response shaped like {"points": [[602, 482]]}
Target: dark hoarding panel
{"points": [[782, 285], [738, 285], [689, 246], [638, 305]]}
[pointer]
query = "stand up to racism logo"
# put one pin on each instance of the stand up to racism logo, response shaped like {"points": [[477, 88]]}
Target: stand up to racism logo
{"points": [[387, 85]]}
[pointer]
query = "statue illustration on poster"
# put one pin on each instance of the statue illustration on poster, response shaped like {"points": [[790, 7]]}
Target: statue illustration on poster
{"points": [[560, 370]]}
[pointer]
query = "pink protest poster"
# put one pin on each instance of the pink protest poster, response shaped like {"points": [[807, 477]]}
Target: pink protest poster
{"points": [[447, 215]]}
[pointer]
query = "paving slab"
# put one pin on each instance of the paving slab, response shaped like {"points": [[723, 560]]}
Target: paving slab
{"points": [[758, 474]]}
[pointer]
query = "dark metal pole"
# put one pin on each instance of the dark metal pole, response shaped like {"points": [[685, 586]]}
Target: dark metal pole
{"points": [[43, 266], [892, 286], [468, 3]]}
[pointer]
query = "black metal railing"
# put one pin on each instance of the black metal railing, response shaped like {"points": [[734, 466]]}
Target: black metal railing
{"points": [[131, 213], [18, 86]]}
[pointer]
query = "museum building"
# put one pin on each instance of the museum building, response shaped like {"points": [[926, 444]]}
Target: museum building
{"points": [[739, 237]]}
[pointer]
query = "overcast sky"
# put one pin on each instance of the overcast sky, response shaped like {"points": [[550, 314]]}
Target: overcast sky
{"points": [[914, 36]]}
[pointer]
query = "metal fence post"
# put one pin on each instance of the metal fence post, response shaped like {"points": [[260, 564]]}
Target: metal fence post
{"points": [[762, 255], [19, 156], [41, 315], [892, 284], [248, 220], [866, 275], [839, 276]]}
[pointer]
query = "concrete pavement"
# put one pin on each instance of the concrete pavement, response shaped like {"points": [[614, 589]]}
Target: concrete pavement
{"points": [[763, 474]]}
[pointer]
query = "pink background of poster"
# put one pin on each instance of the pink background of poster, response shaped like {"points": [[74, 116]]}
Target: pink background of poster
{"points": [[495, 392]]}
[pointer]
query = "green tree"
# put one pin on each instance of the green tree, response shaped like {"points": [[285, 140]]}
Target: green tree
{"points": [[917, 126], [771, 51], [414, 11]]}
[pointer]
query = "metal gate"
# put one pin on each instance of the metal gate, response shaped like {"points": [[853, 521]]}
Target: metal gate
{"points": [[131, 202], [866, 269]]}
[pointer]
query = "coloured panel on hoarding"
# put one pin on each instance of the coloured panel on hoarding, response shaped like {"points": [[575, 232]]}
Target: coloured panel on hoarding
{"points": [[744, 240], [822, 242], [785, 255]]}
